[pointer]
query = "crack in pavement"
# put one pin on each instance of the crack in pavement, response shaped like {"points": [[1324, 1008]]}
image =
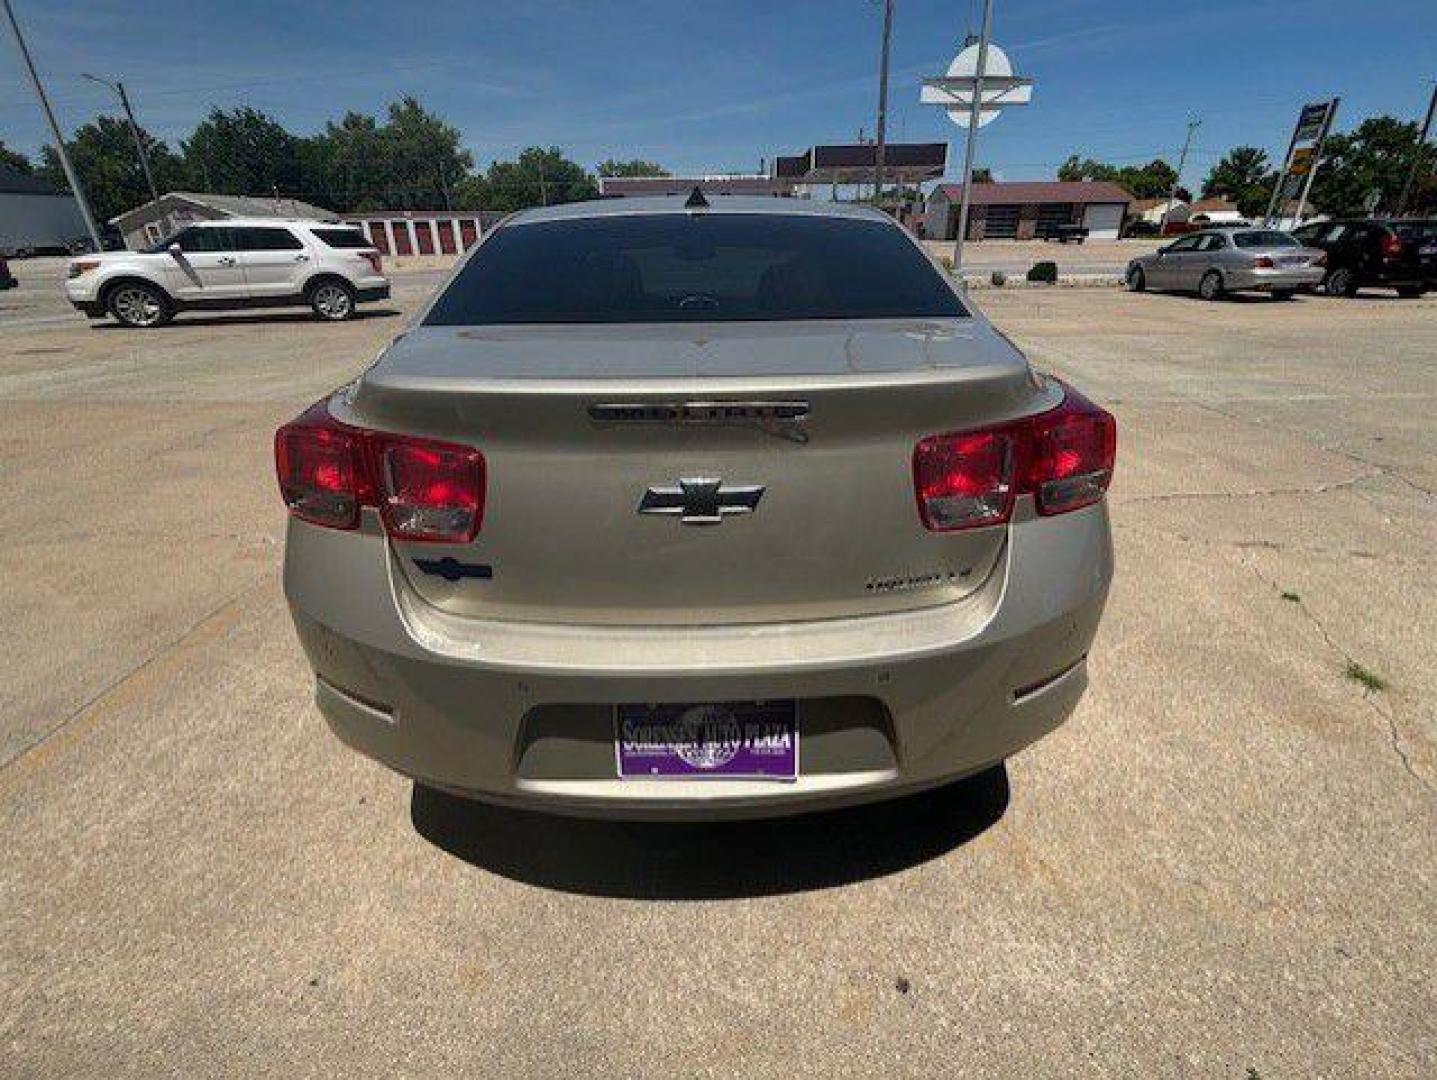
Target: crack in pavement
{"points": [[1386, 558], [1373, 702], [1251, 493], [163, 660], [1351, 455]]}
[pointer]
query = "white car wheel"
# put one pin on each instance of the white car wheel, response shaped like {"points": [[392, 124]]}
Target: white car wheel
{"points": [[332, 301], [139, 305]]}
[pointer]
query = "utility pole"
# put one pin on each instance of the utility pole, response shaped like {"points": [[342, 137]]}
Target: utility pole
{"points": [[119, 89], [974, 112], [1193, 125], [1416, 169], [70, 174], [880, 149]]}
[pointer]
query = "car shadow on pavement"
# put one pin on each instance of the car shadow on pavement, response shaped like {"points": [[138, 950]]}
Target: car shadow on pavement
{"points": [[706, 861], [249, 318]]}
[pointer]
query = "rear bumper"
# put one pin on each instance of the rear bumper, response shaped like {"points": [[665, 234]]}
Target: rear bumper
{"points": [[371, 289], [1276, 278], [522, 712]]}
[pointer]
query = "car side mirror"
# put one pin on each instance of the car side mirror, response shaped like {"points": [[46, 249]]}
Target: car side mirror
{"points": [[175, 250]]}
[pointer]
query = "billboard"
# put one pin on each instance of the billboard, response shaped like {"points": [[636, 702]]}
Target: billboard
{"points": [[1304, 154]]}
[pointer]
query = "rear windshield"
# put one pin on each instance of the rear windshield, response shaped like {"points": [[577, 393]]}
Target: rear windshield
{"points": [[684, 267], [1266, 238], [342, 238]]}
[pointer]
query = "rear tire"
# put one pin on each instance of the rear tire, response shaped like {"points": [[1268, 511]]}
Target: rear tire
{"points": [[1210, 287], [332, 300], [1411, 292], [1342, 282], [1137, 281], [138, 305]]}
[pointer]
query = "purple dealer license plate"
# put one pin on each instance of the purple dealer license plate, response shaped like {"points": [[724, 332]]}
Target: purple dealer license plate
{"points": [[755, 740]]}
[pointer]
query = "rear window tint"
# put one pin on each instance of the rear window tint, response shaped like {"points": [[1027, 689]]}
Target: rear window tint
{"points": [[1265, 238], [261, 238], [1415, 230], [342, 238], [681, 267]]}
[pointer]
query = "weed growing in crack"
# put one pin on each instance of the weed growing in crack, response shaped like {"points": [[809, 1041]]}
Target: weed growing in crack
{"points": [[1369, 679]]}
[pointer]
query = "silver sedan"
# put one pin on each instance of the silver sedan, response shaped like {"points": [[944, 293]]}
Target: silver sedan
{"points": [[665, 509], [1214, 262]]}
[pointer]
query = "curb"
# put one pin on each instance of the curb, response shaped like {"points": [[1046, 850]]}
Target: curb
{"points": [[977, 283]]}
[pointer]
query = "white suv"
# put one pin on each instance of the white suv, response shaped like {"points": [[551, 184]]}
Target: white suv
{"points": [[233, 263]]}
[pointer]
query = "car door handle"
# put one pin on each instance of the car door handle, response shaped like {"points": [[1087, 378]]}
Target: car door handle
{"points": [[301, 258], [226, 260]]}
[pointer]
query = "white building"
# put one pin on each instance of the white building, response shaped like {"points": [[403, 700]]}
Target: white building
{"points": [[149, 223], [1156, 211]]}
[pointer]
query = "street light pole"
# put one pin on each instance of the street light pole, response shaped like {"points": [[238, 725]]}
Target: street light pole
{"points": [[879, 150], [70, 174], [974, 111], [119, 89]]}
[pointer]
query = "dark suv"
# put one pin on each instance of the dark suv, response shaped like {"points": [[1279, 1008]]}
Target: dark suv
{"points": [[1399, 255]]}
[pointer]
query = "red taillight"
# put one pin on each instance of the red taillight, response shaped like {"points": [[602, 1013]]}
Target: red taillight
{"points": [[1263, 262], [1391, 246], [432, 491], [1071, 452], [321, 469], [374, 260], [1063, 458], [964, 480], [423, 489]]}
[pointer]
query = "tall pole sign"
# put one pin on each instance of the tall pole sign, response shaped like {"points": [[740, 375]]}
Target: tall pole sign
{"points": [[979, 83], [1304, 154]]}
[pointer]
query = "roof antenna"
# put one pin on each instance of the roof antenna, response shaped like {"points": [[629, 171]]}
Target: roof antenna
{"points": [[696, 200]]}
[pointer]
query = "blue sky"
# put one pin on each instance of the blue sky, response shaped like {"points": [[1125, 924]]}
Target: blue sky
{"points": [[710, 85]]}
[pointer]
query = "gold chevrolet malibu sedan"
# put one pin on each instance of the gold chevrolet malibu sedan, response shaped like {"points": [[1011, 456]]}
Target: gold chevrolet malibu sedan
{"points": [[694, 509]]}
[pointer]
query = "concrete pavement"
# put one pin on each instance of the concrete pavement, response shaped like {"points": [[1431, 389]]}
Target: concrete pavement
{"points": [[1223, 866]]}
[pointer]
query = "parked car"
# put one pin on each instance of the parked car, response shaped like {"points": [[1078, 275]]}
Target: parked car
{"points": [[1065, 233], [1219, 261], [1366, 252], [233, 263], [669, 509], [7, 279]]}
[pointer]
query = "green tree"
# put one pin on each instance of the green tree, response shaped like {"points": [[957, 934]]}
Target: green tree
{"points": [[103, 153], [1151, 181], [411, 160], [539, 178], [242, 152], [14, 160], [423, 160], [636, 167], [1374, 158], [1244, 177]]}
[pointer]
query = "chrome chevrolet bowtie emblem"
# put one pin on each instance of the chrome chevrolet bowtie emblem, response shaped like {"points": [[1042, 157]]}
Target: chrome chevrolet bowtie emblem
{"points": [[700, 500]]}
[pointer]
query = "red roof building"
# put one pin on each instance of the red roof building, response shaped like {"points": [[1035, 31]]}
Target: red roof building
{"points": [[1027, 209]]}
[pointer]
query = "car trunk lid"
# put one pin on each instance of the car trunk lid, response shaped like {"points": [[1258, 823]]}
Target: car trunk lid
{"points": [[620, 459]]}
